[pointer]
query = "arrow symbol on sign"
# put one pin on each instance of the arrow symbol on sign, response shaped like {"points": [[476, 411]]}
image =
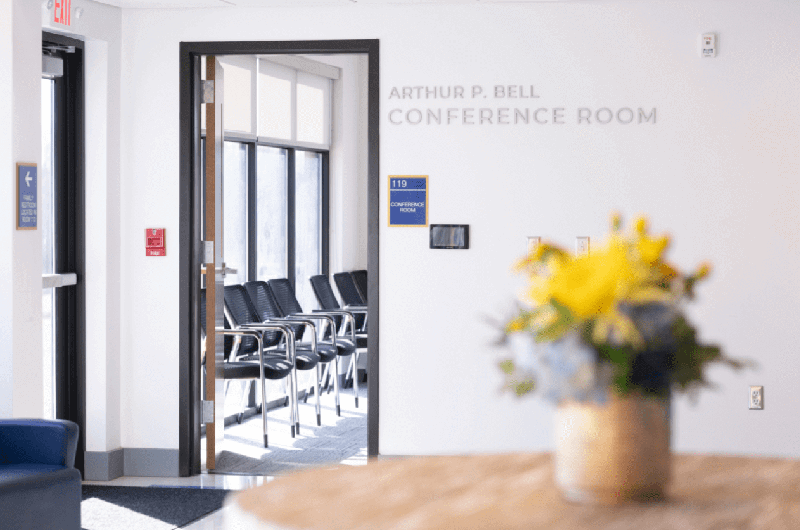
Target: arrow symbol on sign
{"points": [[28, 178]]}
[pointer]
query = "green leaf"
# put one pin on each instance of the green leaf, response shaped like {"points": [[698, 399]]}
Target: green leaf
{"points": [[524, 387], [507, 366]]}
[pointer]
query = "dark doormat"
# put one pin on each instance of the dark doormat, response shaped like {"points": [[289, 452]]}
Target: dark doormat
{"points": [[156, 508]]}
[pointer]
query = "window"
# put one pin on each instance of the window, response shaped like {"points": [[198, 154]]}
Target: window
{"points": [[272, 219], [275, 185], [235, 222]]}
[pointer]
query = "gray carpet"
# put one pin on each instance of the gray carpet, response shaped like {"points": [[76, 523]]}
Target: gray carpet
{"points": [[152, 508], [339, 439]]}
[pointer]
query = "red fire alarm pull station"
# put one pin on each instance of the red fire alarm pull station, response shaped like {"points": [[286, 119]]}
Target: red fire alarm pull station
{"points": [[154, 242]]}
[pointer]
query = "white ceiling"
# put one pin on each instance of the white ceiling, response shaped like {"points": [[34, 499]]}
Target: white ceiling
{"points": [[166, 4]]}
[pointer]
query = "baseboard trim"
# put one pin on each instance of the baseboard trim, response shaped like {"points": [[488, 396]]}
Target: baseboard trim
{"points": [[104, 465], [130, 462]]}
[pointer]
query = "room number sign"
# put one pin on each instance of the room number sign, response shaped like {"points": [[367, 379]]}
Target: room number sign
{"points": [[408, 200]]}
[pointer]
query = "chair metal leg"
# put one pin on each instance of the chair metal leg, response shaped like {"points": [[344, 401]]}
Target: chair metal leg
{"points": [[349, 373], [316, 393], [264, 410], [296, 405], [355, 374], [336, 386], [310, 386], [292, 399], [326, 378], [245, 394]]}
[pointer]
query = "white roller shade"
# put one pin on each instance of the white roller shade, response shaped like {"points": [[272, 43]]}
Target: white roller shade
{"points": [[276, 101], [240, 94], [313, 109]]}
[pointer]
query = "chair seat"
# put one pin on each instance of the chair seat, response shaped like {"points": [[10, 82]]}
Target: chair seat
{"points": [[325, 350], [275, 367], [306, 359]]}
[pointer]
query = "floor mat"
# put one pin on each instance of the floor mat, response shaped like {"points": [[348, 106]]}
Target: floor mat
{"points": [[152, 508]]}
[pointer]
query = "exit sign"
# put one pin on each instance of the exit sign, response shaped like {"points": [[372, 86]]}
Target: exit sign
{"points": [[61, 12]]}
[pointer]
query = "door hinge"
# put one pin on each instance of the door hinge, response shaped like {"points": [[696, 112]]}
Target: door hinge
{"points": [[208, 411], [207, 252], [208, 92]]}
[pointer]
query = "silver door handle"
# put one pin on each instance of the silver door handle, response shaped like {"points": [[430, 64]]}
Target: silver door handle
{"points": [[59, 280], [219, 270]]}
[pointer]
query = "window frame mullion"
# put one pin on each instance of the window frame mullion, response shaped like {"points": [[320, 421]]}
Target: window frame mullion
{"points": [[290, 211], [252, 213]]}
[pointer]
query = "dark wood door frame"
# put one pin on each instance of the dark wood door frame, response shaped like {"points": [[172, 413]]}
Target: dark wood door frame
{"points": [[190, 208]]}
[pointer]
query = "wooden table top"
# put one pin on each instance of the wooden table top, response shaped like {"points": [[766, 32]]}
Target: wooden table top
{"points": [[516, 491]]}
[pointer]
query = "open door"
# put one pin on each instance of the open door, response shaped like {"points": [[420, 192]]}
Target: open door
{"points": [[214, 260]]}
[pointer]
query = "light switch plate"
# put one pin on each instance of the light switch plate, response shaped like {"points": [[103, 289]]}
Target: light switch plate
{"points": [[756, 398], [533, 243], [708, 45], [582, 245]]}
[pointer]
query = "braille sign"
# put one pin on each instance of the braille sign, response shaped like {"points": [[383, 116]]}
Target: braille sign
{"points": [[408, 200], [27, 186]]}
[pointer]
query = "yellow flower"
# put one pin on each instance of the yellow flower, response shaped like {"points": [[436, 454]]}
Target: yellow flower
{"points": [[650, 249], [640, 225], [592, 284], [616, 222]]}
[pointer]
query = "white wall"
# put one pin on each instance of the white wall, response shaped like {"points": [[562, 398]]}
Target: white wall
{"points": [[21, 376], [100, 28], [348, 172], [717, 170]]}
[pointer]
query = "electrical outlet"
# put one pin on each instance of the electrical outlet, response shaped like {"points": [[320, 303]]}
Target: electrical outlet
{"points": [[582, 245], [533, 243], [756, 398]]}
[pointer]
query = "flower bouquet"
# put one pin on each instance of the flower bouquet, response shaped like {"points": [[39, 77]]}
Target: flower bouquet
{"points": [[613, 341]]}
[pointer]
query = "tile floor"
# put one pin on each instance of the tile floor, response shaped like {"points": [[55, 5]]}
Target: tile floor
{"points": [[277, 419]]}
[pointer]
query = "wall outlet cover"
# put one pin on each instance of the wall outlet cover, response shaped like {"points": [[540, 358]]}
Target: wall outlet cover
{"points": [[533, 243], [756, 398]]}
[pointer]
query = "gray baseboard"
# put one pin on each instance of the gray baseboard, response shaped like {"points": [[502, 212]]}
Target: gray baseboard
{"points": [[129, 462], [103, 465]]}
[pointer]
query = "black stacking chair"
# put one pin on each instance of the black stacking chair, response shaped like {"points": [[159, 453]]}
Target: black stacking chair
{"points": [[284, 293], [360, 277], [269, 310], [352, 298], [327, 300], [243, 314], [268, 367]]}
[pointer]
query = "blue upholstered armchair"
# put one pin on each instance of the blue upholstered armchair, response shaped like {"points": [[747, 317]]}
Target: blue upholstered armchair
{"points": [[39, 485]]}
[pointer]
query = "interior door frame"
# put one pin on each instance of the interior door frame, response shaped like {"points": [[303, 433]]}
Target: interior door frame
{"points": [[70, 230], [189, 236]]}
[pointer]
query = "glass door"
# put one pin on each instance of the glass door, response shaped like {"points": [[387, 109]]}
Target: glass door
{"points": [[61, 222], [48, 245]]}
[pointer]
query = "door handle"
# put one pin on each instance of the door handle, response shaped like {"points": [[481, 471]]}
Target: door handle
{"points": [[59, 280]]}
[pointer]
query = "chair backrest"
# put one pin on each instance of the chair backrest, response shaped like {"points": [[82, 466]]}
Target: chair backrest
{"points": [[349, 293], [284, 293], [325, 297], [324, 292], [243, 312], [347, 288], [267, 306], [360, 277], [38, 441]]}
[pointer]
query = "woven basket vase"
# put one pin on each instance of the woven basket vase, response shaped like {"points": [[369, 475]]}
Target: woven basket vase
{"points": [[615, 452]]}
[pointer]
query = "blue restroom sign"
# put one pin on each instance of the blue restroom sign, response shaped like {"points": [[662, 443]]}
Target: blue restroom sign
{"points": [[408, 200], [27, 196]]}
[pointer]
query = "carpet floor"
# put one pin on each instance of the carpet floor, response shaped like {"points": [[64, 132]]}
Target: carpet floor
{"points": [[340, 439], [152, 508]]}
